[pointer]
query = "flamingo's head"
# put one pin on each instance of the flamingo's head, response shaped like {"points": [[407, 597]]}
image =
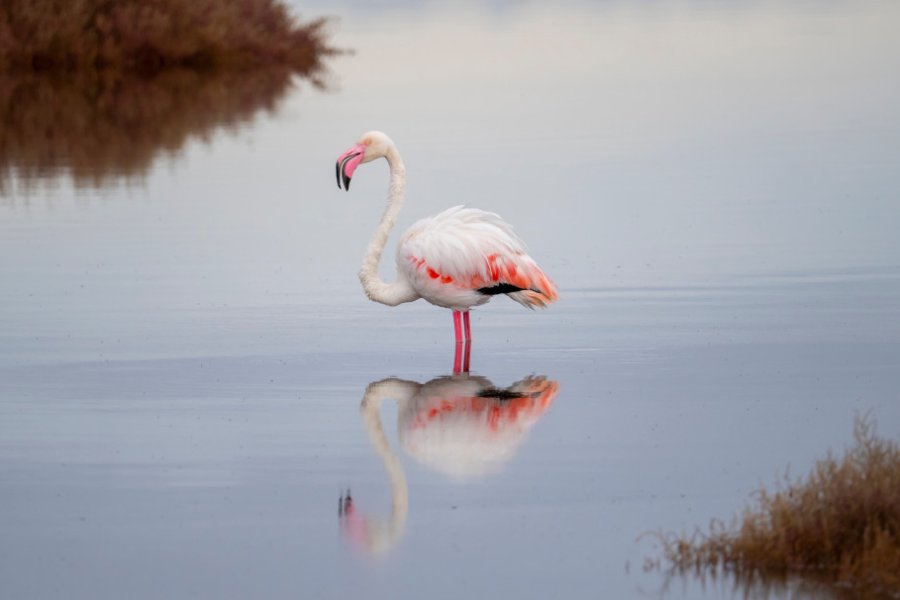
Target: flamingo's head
{"points": [[370, 146]]}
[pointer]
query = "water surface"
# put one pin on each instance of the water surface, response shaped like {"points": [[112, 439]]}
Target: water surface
{"points": [[184, 348]]}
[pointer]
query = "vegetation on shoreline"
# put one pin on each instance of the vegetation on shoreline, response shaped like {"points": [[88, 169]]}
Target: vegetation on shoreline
{"points": [[147, 36], [840, 525], [97, 89]]}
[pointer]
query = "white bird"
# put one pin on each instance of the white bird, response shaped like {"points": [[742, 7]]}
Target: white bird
{"points": [[457, 259]]}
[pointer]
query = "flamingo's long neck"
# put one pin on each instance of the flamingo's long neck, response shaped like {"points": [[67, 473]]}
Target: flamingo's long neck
{"points": [[377, 289]]}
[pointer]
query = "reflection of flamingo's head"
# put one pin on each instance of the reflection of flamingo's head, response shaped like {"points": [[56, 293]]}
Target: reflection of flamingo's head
{"points": [[371, 534], [370, 146], [467, 428]]}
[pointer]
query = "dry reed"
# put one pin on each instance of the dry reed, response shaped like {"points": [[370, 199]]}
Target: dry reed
{"points": [[840, 525]]}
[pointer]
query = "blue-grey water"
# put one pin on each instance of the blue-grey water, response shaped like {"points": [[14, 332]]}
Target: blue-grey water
{"points": [[184, 352]]}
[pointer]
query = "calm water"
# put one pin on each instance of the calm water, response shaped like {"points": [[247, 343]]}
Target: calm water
{"points": [[184, 348]]}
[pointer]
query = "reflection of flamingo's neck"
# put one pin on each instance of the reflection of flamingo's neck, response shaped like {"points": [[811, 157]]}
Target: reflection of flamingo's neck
{"points": [[401, 391]]}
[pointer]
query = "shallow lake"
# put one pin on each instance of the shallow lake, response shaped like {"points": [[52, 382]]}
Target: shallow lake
{"points": [[191, 379]]}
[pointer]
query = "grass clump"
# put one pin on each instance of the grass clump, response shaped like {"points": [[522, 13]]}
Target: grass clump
{"points": [[149, 35], [839, 525]]}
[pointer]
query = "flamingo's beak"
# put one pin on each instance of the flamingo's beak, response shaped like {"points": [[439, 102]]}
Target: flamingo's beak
{"points": [[347, 163]]}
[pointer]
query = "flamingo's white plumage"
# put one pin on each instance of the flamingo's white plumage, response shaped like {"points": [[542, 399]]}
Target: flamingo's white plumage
{"points": [[457, 259]]}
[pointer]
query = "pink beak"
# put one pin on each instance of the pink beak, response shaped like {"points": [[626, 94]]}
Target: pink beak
{"points": [[347, 163]]}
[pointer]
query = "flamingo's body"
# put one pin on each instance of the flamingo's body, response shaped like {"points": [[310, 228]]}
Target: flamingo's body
{"points": [[462, 257], [457, 259]]}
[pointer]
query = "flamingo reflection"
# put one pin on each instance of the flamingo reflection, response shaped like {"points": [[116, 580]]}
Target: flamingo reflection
{"points": [[462, 426]]}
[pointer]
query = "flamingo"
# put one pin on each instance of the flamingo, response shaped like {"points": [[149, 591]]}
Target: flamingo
{"points": [[458, 259]]}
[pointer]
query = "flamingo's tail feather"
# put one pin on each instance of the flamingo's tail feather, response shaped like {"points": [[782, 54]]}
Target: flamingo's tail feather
{"points": [[519, 277], [531, 298]]}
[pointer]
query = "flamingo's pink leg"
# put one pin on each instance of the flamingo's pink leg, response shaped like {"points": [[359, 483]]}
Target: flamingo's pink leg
{"points": [[457, 326], [467, 327], [457, 330], [466, 355]]}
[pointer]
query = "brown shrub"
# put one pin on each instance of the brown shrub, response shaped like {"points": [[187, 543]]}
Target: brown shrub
{"points": [[148, 35], [841, 524]]}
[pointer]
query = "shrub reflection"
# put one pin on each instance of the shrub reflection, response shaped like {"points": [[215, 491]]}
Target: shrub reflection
{"points": [[97, 126]]}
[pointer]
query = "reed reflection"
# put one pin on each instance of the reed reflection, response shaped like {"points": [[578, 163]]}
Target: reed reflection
{"points": [[96, 127], [726, 584], [462, 426]]}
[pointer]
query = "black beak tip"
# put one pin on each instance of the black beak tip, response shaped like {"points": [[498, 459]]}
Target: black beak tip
{"points": [[341, 174]]}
